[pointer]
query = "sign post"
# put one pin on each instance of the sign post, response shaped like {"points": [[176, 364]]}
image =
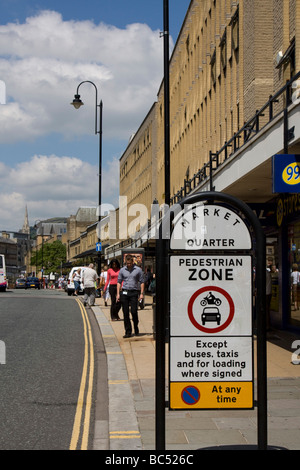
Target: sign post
{"points": [[211, 255]]}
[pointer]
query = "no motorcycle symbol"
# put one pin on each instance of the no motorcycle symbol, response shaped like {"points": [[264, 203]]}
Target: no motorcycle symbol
{"points": [[211, 305]]}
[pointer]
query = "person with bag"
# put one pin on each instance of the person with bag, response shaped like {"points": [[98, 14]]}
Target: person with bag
{"points": [[295, 282], [111, 284], [76, 279], [131, 280], [103, 279], [89, 279]]}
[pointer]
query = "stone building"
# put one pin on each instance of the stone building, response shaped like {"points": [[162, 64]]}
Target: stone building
{"points": [[234, 104]]}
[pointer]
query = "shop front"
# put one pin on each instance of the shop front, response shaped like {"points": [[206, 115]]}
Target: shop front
{"points": [[288, 222]]}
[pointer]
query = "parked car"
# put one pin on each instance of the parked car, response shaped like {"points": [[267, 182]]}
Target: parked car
{"points": [[70, 286], [32, 282], [20, 283]]}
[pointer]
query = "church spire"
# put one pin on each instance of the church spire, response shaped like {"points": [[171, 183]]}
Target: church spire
{"points": [[26, 228]]}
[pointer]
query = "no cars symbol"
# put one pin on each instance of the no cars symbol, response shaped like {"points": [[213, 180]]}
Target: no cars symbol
{"points": [[220, 327]]}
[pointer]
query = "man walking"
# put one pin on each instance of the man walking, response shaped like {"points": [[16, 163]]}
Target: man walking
{"points": [[131, 280], [89, 277]]}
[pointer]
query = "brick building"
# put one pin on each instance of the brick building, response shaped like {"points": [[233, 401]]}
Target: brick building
{"points": [[234, 85]]}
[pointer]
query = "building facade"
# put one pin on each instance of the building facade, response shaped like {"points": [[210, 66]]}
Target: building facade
{"points": [[138, 181], [234, 103]]}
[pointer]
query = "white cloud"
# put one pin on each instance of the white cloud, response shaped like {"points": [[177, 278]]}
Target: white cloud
{"points": [[43, 60], [51, 185]]}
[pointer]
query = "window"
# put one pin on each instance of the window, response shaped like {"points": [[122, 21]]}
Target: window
{"points": [[223, 47], [235, 31], [289, 58], [213, 65], [187, 44]]}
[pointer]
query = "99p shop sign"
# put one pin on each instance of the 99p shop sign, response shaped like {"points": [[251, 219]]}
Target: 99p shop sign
{"points": [[211, 343]]}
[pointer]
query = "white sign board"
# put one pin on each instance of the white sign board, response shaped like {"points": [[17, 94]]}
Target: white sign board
{"points": [[211, 344], [211, 295], [211, 350], [223, 360], [210, 227]]}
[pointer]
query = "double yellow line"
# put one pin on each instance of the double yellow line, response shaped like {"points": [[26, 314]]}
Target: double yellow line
{"points": [[82, 417]]}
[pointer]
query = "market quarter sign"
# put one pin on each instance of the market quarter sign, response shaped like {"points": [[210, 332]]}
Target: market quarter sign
{"points": [[211, 342]]}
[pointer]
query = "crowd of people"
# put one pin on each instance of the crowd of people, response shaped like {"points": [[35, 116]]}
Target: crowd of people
{"points": [[125, 287]]}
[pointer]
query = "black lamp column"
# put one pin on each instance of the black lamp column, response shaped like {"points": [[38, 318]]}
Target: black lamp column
{"points": [[77, 103]]}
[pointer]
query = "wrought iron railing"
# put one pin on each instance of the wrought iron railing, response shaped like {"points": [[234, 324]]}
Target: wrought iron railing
{"points": [[277, 103]]}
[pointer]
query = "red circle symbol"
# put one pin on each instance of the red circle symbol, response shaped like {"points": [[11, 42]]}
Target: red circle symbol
{"points": [[191, 314]]}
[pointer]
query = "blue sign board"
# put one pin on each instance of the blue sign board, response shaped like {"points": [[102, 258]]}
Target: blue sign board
{"points": [[99, 246], [286, 173]]}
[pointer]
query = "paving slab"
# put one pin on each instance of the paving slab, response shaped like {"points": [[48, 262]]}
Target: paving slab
{"points": [[131, 381]]}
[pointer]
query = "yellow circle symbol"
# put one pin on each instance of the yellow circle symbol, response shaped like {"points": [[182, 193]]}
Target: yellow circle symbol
{"points": [[291, 174]]}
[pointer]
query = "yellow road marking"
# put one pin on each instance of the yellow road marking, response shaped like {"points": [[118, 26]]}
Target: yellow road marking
{"points": [[80, 402], [115, 382], [88, 407], [125, 434]]}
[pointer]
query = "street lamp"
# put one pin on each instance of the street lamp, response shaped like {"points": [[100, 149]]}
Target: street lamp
{"points": [[77, 103], [42, 228]]}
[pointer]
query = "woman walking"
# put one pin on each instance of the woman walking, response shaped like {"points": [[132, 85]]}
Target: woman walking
{"points": [[111, 281], [76, 280]]}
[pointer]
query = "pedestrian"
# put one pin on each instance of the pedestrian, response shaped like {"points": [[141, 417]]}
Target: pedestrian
{"points": [[76, 279], [153, 285], [89, 277], [111, 285], [148, 279], [295, 281], [103, 279], [130, 279]]}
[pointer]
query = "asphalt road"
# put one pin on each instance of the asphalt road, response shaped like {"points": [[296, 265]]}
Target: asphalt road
{"points": [[50, 362]]}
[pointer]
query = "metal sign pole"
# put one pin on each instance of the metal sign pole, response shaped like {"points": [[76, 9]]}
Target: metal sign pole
{"points": [[160, 350], [161, 251]]}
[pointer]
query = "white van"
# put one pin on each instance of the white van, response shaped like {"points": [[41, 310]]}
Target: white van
{"points": [[70, 286]]}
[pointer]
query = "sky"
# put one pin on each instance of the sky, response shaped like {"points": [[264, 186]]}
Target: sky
{"points": [[49, 152]]}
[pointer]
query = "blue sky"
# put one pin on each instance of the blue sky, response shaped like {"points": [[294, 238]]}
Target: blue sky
{"points": [[48, 151], [115, 12]]}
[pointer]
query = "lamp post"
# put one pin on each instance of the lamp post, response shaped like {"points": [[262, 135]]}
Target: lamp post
{"points": [[42, 228], [77, 103]]}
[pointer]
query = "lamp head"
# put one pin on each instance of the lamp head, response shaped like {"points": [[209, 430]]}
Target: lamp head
{"points": [[77, 102]]}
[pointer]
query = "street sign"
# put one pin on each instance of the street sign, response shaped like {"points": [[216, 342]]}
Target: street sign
{"points": [[211, 331], [211, 344], [98, 246], [209, 227], [206, 254], [203, 286], [286, 173]]}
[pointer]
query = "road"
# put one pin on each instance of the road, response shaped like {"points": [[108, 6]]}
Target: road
{"points": [[49, 379]]}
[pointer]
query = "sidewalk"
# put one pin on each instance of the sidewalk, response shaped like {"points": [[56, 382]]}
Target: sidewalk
{"points": [[131, 386]]}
